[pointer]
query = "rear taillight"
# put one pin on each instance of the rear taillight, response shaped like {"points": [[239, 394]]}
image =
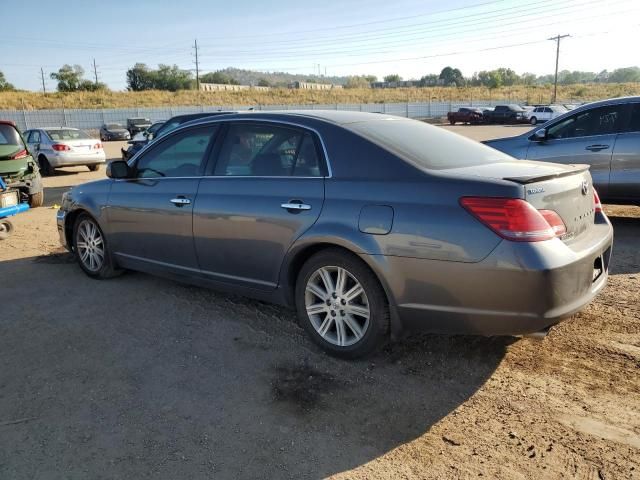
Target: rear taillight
{"points": [[515, 219], [59, 147], [19, 154], [97, 146], [597, 206]]}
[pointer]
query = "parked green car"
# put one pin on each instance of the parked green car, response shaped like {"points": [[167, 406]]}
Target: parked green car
{"points": [[18, 169]]}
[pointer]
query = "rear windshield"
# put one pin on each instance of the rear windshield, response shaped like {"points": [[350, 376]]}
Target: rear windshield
{"points": [[427, 146], [114, 126], [67, 134], [9, 136], [139, 121]]}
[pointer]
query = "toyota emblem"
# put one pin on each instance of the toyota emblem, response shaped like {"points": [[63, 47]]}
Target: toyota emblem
{"points": [[585, 187]]}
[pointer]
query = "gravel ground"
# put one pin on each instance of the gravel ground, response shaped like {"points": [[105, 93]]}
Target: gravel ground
{"points": [[139, 377]]}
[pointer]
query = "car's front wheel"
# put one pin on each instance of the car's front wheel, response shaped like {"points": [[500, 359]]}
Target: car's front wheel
{"points": [[91, 249], [341, 304], [93, 168], [533, 120]]}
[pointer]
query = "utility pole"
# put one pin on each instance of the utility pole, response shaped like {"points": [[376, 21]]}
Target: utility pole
{"points": [[44, 88], [557, 39], [95, 71], [195, 46]]}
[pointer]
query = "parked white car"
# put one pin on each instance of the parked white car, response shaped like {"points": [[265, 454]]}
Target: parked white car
{"points": [[544, 113]]}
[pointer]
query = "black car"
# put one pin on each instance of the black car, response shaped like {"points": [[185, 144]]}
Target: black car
{"points": [[169, 125], [138, 124], [113, 131], [505, 114]]}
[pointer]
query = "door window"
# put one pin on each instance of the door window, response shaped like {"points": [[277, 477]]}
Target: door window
{"points": [[181, 155], [597, 121], [34, 137], [634, 119], [262, 150]]}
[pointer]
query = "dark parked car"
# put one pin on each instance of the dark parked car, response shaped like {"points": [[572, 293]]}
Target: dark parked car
{"points": [[505, 114], [465, 115], [604, 135], [166, 127], [113, 131], [368, 224], [138, 124]]}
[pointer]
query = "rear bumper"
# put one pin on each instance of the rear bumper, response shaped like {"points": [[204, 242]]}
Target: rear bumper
{"points": [[519, 288], [67, 160]]}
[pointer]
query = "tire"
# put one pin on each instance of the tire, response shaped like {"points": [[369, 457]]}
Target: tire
{"points": [[37, 199], [87, 231], [343, 327], [452, 122], [93, 168], [6, 229], [533, 120], [45, 167]]}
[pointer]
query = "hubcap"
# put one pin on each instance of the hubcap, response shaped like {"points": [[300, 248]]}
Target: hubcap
{"points": [[337, 306], [90, 245]]}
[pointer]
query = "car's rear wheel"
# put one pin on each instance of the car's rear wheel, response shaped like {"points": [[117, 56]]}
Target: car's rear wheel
{"points": [[533, 120], [45, 167], [452, 122], [91, 249], [6, 229], [341, 304], [93, 168], [36, 199]]}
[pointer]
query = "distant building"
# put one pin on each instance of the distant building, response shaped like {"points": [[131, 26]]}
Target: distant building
{"points": [[400, 84], [313, 86], [214, 87]]}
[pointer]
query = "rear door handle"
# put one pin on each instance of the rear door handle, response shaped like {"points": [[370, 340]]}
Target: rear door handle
{"points": [[180, 201], [595, 148], [296, 206]]}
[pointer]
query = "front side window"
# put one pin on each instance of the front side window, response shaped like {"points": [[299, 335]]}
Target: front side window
{"points": [[597, 121], [267, 151], [183, 155]]}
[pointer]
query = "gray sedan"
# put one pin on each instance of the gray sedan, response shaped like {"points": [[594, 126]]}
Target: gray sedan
{"points": [[605, 135], [369, 225]]}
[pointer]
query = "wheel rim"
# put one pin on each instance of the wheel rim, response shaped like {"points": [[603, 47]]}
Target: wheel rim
{"points": [[337, 306], [5, 229], [90, 245]]}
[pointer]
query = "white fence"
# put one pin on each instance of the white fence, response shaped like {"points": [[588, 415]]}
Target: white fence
{"points": [[92, 119]]}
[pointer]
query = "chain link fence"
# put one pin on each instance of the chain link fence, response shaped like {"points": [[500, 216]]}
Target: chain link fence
{"points": [[88, 119]]}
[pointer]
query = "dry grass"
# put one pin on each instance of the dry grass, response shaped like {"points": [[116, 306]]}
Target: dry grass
{"points": [[283, 96]]}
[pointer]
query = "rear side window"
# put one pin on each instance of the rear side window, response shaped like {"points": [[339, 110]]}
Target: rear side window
{"points": [[633, 125], [596, 121], [427, 146], [34, 137], [265, 150]]}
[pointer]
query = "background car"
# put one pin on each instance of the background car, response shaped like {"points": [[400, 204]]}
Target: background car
{"points": [[138, 124], [113, 131], [544, 113], [505, 114], [605, 135], [64, 147], [18, 168], [366, 223], [140, 140], [465, 115]]}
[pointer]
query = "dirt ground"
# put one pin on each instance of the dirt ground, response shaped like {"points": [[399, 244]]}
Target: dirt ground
{"points": [[139, 377]]}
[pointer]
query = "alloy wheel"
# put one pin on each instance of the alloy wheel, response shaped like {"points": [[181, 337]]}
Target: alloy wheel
{"points": [[337, 306], [90, 245]]}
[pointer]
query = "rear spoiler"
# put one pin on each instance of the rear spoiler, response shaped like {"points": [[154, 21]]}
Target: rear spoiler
{"points": [[567, 171]]}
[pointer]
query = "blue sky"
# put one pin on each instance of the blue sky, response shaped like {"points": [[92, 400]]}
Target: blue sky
{"points": [[409, 37]]}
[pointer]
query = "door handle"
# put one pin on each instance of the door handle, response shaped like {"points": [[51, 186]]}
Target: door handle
{"points": [[296, 206], [180, 201], [595, 148]]}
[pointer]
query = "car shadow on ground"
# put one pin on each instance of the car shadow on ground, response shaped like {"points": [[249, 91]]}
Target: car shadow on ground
{"points": [[626, 245], [53, 195], [147, 378]]}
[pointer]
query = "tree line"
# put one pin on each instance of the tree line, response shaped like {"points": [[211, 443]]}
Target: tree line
{"points": [[70, 78]]}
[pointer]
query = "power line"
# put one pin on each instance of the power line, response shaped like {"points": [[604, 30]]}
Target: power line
{"points": [[557, 39]]}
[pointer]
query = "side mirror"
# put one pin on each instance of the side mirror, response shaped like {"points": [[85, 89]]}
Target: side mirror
{"points": [[119, 169], [540, 135]]}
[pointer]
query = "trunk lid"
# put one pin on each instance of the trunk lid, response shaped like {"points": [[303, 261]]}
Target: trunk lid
{"points": [[81, 145], [565, 189]]}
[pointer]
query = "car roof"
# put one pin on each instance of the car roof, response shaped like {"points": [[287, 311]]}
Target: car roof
{"points": [[8, 122], [55, 128]]}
